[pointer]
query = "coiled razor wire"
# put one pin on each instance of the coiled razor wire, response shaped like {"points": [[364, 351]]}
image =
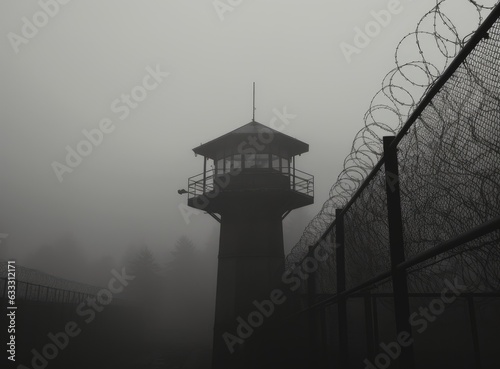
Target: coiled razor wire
{"points": [[449, 160]]}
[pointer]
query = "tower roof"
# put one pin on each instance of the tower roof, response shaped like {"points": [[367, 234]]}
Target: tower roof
{"points": [[233, 140]]}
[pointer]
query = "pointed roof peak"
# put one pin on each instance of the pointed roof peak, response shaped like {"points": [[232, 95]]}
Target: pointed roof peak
{"points": [[233, 139]]}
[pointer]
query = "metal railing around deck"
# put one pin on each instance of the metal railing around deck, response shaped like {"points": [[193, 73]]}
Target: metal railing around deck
{"points": [[202, 183], [302, 182]]}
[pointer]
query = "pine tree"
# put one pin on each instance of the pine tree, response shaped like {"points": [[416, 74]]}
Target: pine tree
{"points": [[185, 256], [146, 271]]}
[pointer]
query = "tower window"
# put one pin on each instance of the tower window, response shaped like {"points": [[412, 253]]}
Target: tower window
{"points": [[285, 165], [275, 163], [250, 161], [262, 160], [237, 161], [220, 166], [227, 164]]}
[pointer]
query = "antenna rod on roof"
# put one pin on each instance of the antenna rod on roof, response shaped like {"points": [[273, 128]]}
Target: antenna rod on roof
{"points": [[253, 117]]}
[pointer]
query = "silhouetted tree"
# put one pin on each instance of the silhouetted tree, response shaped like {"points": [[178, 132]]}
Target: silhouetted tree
{"points": [[144, 265], [184, 253], [146, 285], [189, 292]]}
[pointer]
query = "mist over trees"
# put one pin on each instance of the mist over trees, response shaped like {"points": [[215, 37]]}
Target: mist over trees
{"points": [[171, 300], [174, 298], [66, 258], [170, 303]]}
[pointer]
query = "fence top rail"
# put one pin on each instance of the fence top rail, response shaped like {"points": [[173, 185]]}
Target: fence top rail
{"points": [[376, 295], [435, 87], [482, 230]]}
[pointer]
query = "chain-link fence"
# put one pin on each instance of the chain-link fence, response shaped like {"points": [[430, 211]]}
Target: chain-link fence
{"points": [[413, 223]]}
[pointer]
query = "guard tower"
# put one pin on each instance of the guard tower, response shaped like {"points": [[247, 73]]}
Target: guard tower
{"points": [[250, 187]]}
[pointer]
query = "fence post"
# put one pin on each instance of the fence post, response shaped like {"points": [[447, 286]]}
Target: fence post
{"points": [[313, 321], [396, 243], [370, 343], [342, 304], [324, 338], [475, 336], [375, 319]]}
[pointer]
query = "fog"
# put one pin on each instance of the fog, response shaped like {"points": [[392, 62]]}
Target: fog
{"points": [[79, 218], [65, 79]]}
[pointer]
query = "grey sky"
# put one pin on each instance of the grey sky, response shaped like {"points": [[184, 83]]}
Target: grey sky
{"points": [[65, 79]]}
